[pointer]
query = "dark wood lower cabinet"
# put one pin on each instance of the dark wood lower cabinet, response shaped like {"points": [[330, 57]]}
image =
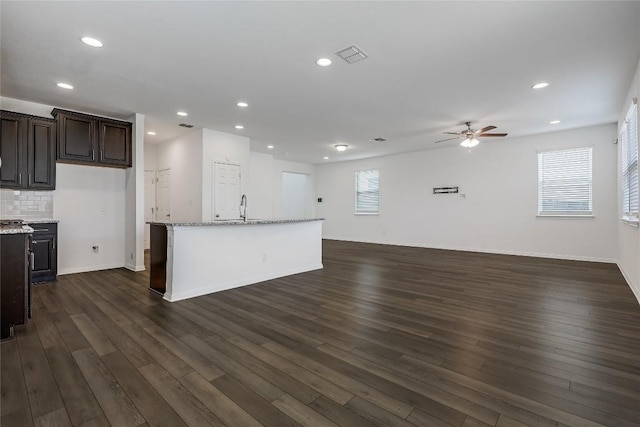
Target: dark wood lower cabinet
{"points": [[158, 258], [15, 281], [45, 252]]}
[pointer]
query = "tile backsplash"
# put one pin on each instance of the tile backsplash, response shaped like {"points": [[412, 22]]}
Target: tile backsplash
{"points": [[22, 204]]}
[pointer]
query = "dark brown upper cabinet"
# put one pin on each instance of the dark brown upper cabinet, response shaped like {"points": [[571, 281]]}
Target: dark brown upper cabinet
{"points": [[92, 140], [28, 152]]}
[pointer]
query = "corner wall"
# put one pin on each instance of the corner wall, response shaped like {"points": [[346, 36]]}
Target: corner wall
{"points": [[628, 235], [134, 188], [497, 214]]}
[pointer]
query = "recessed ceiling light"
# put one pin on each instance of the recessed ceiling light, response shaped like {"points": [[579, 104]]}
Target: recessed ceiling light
{"points": [[90, 41], [341, 147], [326, 158], [270, 147], [65, 86], [554, 122], [239, 127], [242, 104], [323, 62], [182, 113], [540, 85], [151, 133]]}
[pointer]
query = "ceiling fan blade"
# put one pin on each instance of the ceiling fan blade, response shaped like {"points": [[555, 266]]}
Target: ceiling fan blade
{"points": [[443, 140], [486, 128], [451, 133], [493, 134]]}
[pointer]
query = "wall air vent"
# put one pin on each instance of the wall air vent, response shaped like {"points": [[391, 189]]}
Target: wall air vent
{"points": [[184, 125], [352, 54], [378, 140]]}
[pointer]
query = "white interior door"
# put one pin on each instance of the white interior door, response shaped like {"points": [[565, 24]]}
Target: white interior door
{"points": [[163, 191], [149, 203], [226, 191], [294, 194]]}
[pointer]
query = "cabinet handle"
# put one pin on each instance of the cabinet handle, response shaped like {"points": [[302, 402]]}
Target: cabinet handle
{"points": [[101, 154], [19, 179], [40, 230], [32, 259], [53, 245], [29, 176], [93, 155]]}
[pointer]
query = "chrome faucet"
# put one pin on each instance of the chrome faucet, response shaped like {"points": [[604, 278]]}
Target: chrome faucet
{"points": [[243, 207]]}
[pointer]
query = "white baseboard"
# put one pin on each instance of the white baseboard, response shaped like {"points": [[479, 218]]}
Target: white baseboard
{"points": [[636, 292], [487, 251], [134, 267], [88, 268]]}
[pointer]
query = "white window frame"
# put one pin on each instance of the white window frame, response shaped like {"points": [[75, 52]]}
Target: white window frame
{"points": [[362, 210], [550, 185], [629, 166]]}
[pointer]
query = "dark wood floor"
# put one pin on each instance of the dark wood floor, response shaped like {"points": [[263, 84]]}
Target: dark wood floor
{"points": [[383, 335]]}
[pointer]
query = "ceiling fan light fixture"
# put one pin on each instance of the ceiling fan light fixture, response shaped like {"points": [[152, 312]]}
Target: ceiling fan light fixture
{"points": [[469, 142]]}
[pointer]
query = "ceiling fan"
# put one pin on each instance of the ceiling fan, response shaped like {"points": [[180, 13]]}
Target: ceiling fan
{"points": [[469, 136]]}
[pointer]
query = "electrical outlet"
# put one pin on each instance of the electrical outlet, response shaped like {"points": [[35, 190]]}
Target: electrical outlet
{"points": [[96, 249], [131, 255]]}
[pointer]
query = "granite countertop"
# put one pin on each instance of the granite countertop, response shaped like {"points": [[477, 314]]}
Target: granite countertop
{"points": [[15, 229], [233, 222], [41, 221]]}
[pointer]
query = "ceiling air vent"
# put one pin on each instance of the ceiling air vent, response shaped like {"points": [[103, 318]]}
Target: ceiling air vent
{"points": [[184, 125], [378, 139], [352, 54]]}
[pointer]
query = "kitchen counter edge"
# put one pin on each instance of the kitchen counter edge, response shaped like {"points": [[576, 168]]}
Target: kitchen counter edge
{"points": [[233, 222], [15, 229]]}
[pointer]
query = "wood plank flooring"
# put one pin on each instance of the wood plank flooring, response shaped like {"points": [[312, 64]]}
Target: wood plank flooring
{"points": [[382, 336]]}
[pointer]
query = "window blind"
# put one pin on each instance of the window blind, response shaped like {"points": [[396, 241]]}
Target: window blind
{"points": [[367, 192], [629, 157], [564, 182]]}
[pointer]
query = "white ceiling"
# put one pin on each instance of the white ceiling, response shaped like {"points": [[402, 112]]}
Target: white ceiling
{"points": [[431, 66]]}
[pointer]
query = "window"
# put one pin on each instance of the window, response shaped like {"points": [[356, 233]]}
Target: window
{"points": [[564, 182], [367, 192], [629, 157]]}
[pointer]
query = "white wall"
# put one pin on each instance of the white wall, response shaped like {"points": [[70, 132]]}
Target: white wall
{"points": [[628, 235], [183, 156], [280, 166], [226, 148], [498, 214], [294, 194], [260, 186], [150, 157], [89, 202], [134, 188]]}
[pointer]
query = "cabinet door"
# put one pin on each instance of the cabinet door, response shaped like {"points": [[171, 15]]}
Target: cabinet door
{"points": [[115, 143], [43, 245], [11, 151], [76, 138], [41, 154]]}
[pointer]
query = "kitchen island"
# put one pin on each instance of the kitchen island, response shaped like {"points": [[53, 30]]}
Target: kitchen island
{"points": [[190, 259]]}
